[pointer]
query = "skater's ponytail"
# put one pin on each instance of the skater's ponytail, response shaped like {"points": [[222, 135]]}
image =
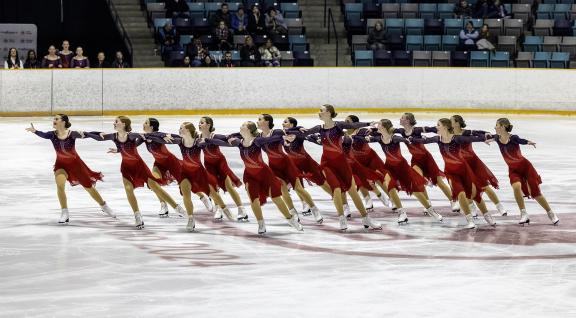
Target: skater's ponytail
{"points": [[191, 128], [210, 122], [66, 120], [154, 123], [127, 123], [252, 128], [411, 118], [505, 122], [459, 120], [387, 125], [269, 119], [447, 123]]}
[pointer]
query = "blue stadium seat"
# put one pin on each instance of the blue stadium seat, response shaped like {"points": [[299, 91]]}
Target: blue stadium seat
{"points": [[453, 26], [196, 9], [445, 10], [560, 60], [427, 10], [500, 59], [414, 42], [562, 11], [414, 26], [541, 59], [298, 43], [479, 58], [532, 43], [394, 26], [363, 58], [353, 10], [450, 42], [432, 42], [545, 11]]}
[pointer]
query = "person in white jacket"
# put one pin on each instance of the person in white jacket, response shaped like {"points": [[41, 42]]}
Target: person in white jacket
{"points": [[270, 54], [13, 62], [468, 37]]}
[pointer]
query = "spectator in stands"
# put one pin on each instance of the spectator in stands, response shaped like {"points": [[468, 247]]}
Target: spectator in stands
{"points": [[101, 61], [65, 54], [209, 62], [256, 23], [223, 36], [197, 52], [270, 54], [177, 9], [119, 61], [168, 38], [485, 39], [240, 22], [468, 37], [32, 60], [227, 61], [221, 15], [275, 22], [186, 62], [52, 60], [250, 54], [485, 9], [502, 12], [13, 62], [80, 61], [377, 39], [462, 10]]}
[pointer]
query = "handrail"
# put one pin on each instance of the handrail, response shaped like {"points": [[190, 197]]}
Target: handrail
{"points": [[120, 27], [331, 19], [325, 6]]}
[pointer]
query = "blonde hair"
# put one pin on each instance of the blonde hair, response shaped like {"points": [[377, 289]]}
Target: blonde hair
{"points": [[127, 123], [387, 124], [191, 128]]}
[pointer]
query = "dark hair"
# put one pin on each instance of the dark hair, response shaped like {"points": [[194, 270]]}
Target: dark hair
{"points": [[9, 60], [331, 109], [293, 121], [505, 122], [447, 123], [469, 23], [127, 123], [28, 54], [154, 123], [411, 118], [459, 120], [269, 119], [210, 122], [387, 124], [65, 119], [252, 127], [191, 128], [354, 118], [223, 5]]}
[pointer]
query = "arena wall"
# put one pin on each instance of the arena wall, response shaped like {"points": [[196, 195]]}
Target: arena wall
{"points": [[290, 90]]}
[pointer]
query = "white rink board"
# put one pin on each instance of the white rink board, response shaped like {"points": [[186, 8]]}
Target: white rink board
{"points": [[253, 88]]}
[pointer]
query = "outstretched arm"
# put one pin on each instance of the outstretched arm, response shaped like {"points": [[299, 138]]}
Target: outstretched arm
{"points": [[345, 125], [41, 134], [399, 139], [232, 142], [163, 138], [311, 131], [424, 140], [521, 141], [99, 136], [469, 139]]}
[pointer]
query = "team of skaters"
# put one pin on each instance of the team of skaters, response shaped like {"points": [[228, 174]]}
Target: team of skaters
{"points": [[349, 167]]}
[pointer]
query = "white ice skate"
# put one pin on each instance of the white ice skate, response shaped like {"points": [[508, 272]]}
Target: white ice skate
{"points": [[343, 222], [501, 209], [402, 217], [293, 221], [218, 215], [106, 209], [294, 213], [191, 224], [553, 217], [368, 203], [180, 211], [317, 215], [306, 210], [385, 200], [470, 222], [455, 206], [347, 212], [163, 210], [431, 212], [489, 219], [138, 220], [64, 217], [371, 224], [261, 227], [473, 210], [242, 216], [208, 204], [524, 218], [228, 214]]}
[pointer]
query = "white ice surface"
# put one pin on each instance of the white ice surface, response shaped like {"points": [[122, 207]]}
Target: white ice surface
{"points": [[98, 267]]}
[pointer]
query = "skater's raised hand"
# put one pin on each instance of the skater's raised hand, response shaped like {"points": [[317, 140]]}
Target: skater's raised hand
{"points": [[531, 143], [31, 128], [289, 138], [112, 150], [168, 138]]}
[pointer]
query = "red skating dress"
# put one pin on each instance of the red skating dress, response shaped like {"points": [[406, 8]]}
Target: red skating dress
{"points": [[133, 168], [259, 179], [334, 163], [519, 168], [282, 166], [407, 178], [484, 175], [302, 159], [457, 171], [421, 157], [365, 155], [169, 165], [68, 159], [364, 177], [216, 163]]}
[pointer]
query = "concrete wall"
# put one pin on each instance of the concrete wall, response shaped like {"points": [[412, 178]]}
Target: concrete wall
{"points": [[242, 90]]}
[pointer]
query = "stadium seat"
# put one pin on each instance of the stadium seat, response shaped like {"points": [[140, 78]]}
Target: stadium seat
{"points": [[422, 58], [543, 27], [541, 59], [507, 43], [533, 43], [569, 45], [413, 26], [445, 10], [427, 10], [414, 42], [394, 26], [432, 42], [479, 58], [559, 60], [453, 26], [363, 58], [524, 59], [440, 58], [450, 42], [500, 59], [551, 43], [409, 10], [382, 58], [390, 10]]}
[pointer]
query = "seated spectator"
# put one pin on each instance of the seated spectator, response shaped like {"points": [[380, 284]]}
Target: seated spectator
{"points": [[197, 52], [485, 39], [223, 36], [249, 53], [119, 61], [101, 61], [270, 54], [468, 37], [256, 23], [185, 62], [168, 38], [377, 39], [275, 22], [80, 61], [221, 15], [208, 62], [52, 60], [240, 22], [13, 62], [462, 10], [485, 9], [32, 60], [227, 61], [65, 54], [502, 13], [177, 9]]}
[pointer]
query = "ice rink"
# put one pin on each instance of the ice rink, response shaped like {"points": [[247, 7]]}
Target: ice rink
{"points": [[100, 267]]}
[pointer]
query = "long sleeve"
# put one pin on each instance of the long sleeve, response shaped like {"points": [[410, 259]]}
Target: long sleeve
{"points": [[315, 139], [158, 137], [76, 135], [45, 135], [468, 139], [313, 130], [261, 141], [399, 139], [345, 125], [469, 132], [430, 130], [96, 135], [221, 142], [425, 140], [518, 140]]}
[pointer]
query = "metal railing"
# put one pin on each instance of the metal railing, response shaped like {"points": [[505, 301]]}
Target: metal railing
{"points": [[122, 30], [333, 25]]}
